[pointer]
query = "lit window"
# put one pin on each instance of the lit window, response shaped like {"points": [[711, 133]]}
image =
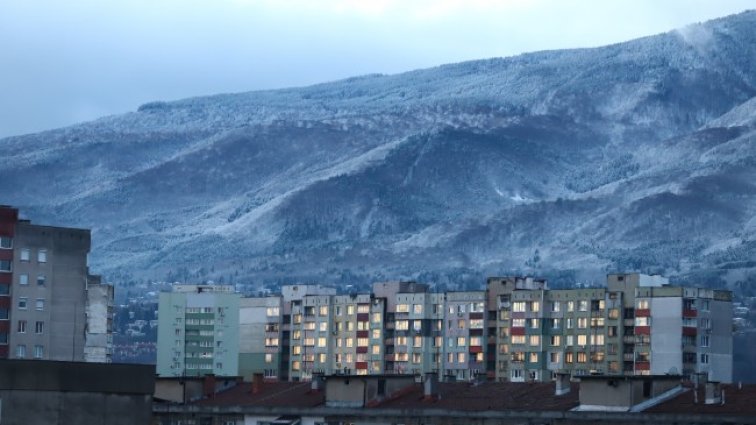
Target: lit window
{"points": [[350, 309], [417, 308], [402, 308], [533, 357], [272, 311], [461, 341], [321, 342], [268, 358], [460, 357], [42, 256], [535, 339], [583, 305], [570, 305], [535, 306], [25, 254], [518, 339], [582, 340], [518, 306], [556, 340], [417, 341], [376, 317], [323, 310]]}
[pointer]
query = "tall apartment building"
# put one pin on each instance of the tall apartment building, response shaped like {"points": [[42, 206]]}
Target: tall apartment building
{"points": [[47, 296], [464, 330], [198, 331], [261, 338], [637, 325]]}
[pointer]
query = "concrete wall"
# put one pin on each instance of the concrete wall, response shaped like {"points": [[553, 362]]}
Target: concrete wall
{"points": [[42, 392], [63, 293], [666, 335]]}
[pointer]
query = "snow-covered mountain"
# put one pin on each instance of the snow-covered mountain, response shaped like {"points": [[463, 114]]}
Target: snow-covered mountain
{"points": [[635, 156]]}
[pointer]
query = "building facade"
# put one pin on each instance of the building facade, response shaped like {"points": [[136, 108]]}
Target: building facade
{"points": [[47, 296], [198, 331]]}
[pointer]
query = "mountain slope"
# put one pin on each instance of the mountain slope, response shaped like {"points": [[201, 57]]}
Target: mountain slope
{"points": [[638, 155]]}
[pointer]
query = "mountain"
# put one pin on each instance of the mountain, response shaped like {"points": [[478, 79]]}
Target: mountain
{"points": [[634, 156]]}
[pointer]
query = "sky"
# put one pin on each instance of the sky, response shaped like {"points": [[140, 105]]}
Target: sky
{"points": [[69, 61]]}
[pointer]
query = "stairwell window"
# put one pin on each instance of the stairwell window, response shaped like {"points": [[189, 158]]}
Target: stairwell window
{"points": [[21, 351], [39, 351], [23, 279], [41, 280], [42, 256], [25, 254], [40, 304]]}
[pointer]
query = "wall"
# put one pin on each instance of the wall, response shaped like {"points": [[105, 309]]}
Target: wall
{"points": [[666, 335]]}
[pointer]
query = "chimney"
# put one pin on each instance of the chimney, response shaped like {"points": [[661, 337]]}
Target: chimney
{"points": [[257, 383], [430, 386], [208, 386], [317, 382], [713, 393], [562, 383]]}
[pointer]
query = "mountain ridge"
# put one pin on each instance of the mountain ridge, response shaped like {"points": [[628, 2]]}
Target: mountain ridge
{"points": [[445, 173]]}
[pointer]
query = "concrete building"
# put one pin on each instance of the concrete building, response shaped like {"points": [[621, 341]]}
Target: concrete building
{"points": [[47, 392], [46, 293], [198, 331], [261, 338], [637, 325], [464, 329]]}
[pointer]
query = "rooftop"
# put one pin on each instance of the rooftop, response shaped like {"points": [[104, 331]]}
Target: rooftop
{"points": [[736, 402]]}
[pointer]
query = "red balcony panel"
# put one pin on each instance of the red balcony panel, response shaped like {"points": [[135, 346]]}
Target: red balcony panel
{"points": [[643, 330], [475, 316], [363, 334], [6, 254], [6, 278], [642, 312], [5, 302], [517, 331], [642, 365], [363, 317], [4, 326], [3, 351], [361, 365], [689, 312], [476, 349], [689, 331], [361, 350]]}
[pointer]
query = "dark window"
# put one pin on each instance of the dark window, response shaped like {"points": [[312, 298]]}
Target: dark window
{"points": [[6, 242], [5, 266], [646, 389]]}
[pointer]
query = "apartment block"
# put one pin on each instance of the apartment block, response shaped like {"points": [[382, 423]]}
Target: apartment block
{"points": [[261, 338], [51, 308], [198, 331], [464, 329], [637, 325]]}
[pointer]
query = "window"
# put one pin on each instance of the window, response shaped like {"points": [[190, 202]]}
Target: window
{"points": [[268, 358], [518, 356], [582, 322], [704, 358], [460, 323], [570, 323], [438, 341], [475, 341], [362, 342], [376, 317], [417, 325], [535, 306], [516, 374], [23, 279], [705, 305], [321, 342], [460, 308], [476, 324], [402, 325], [518, 339], [417, 341], [323, 326], [272, 311], [5, 266], [376, 334], [376, 349], [23, 303], [583, 305], [21, 351], [461, 341], [582, 340], [570, 306], [569, 340], [460, 357], [401, 340], [518, 306], [21, 328], [569, 357], [518, 323], [25, 254], [597, 339], [41, 280], [417, 308], [534, 324], [555, 306], [363, 308], [554, 357], [477, 307], [271, 342], [704, 340], [39, 327], [556, 340], [554, 323], [582, 357], [535, 339], [6, 242], [533, 358], [350, 309], [642, 321], [42, 256], [642, 304], [402, 308], [338, 310]]}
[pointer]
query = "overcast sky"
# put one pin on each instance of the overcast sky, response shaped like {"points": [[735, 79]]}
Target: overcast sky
{"points": [[67, 61]]}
